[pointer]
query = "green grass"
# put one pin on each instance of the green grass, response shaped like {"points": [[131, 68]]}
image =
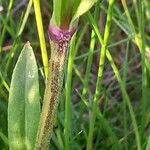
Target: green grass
{"points": [[105, 98]]}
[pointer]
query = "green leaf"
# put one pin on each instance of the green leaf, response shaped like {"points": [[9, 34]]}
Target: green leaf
{"points": [[56, 16], [83, 7], [148, 144], [66, 13], [75, 6], [24, 102]]}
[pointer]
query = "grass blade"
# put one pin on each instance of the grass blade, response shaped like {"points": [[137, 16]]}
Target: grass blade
{"points": [[148, 144], [86, 4], [39, 23], [121, 83], [100, 75], [67, 128], [6, 20]]}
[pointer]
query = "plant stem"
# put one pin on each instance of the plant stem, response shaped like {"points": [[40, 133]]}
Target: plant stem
{"points": [[129, 18], [125, 97], [121, 84], [41, 35], [125, 71], [67, 124], [11, 54], [6, 20], [86, 77], [100, 75], [25, 18], [52, 92], [145, 98], [89, 64]]}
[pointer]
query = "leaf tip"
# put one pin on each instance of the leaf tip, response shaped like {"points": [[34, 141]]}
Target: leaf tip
{"points": [[27, 45]]}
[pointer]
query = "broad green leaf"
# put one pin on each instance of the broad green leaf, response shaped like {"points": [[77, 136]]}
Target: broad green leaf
{"points": [[24, 102], [148, 144], [83, 7]]}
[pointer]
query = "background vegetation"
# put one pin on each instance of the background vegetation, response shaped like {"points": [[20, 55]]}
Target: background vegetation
{"points": [[118, 97]]}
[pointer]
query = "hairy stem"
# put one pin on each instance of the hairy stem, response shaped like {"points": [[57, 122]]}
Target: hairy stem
{"points": [[59, 40], [52, 92]]}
